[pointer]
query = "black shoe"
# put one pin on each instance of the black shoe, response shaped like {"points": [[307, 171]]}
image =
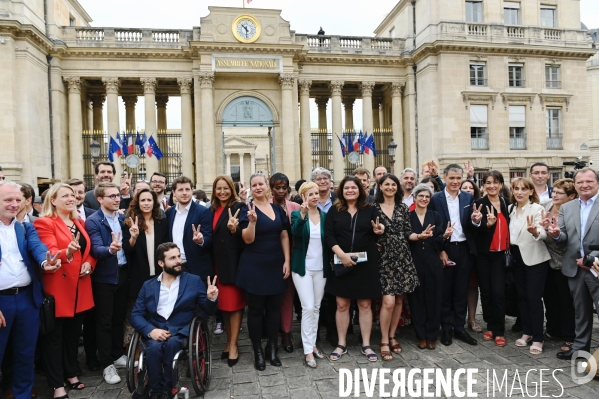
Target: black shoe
{"points": [[156, 395], [271, 354], [232, 362], [287, 342], [465, 337], [224, 355], [565, 355], [446, 338], [259, 363], [166, 395], [517, 327]]}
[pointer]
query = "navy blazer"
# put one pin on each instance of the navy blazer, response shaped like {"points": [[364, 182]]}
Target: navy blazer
{"points": [[99, 231], [88, 211], [33, 251], [439, 204], [192, 294], [197, 257]]}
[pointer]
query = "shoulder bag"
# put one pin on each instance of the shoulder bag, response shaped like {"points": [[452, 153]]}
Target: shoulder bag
{"points": [[338, 267]]}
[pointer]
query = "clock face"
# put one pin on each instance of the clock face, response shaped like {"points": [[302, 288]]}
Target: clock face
{"points": [[246, 28]]}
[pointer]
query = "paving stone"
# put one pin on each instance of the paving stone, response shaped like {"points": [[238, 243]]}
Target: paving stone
{"points": [[271, 380], [241, 390], [299, 382], [249, 376], [303, 393], [328, 385], [275, 392]]}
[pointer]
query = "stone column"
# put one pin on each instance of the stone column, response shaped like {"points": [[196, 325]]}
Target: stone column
{"points": [[76, 168], [161, 101], [377, 121], [367, 123], [149, 85], [241, 168], [253, 162], [130, 102], [348, 104], [197, 126], [186, 127], [321, 103], [338, 162], [89, 109], [228, 164], [98, 104], [397, 125], [296, 128], [305, 128], [112, 109], [284, 137], [208, 139]]}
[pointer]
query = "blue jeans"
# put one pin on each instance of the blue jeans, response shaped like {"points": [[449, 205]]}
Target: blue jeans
{"points": [[159, 360]]}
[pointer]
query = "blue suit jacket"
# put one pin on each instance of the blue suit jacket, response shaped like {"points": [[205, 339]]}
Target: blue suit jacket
{"points": [[192, 294], [33, 252], [439, 204], [99, 231], [197, 257]]}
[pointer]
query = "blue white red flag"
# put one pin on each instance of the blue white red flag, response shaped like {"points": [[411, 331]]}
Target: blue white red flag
{"points": [[342, 144], [154, 149], [369, 145], [139, 142], [147, 149], [113, 148], [124, 143]]}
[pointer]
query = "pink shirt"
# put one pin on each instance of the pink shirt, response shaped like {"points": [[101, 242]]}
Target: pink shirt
{"points": [[291, 206]]}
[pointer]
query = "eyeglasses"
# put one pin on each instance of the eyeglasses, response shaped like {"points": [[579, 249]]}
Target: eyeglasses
{"points": [[157, 182], [113, 196], [558, 192], [322, 179]]}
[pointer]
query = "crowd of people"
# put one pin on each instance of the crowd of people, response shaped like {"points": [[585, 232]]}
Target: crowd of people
{"points": [[123, 258]]}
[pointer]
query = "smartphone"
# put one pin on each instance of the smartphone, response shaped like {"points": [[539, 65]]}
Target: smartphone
{"points": [[449, 263]]}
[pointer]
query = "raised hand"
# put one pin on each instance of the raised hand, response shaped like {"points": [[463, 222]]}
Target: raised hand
{"points": [[125, 183], [252, 216], [477, 215], [243, 192], [469, 169], [428, 232], [553, 230], [377, 227], [531, 226], [198, 237], [86, 268], [211, 289], [545, 222], [134, 229], [448, 231], [115, 245], [304, 208], [491, 218], [432, 169], [52, 262], [233, 221], [73, 245]]}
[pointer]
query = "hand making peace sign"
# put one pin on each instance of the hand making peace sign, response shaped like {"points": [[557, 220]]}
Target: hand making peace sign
{"points": [[126, 183], [477, 216], [115, 245], [377, 227], [252, 216], [134, 229], [52, 262], [545, 222], [198, 237], [73, 245], [553, 229], [531, 226], [211, 290], [427, 233], [469, 169], [448, 231], [233, 221], [491, 218], [243, 192], [304, 207]]}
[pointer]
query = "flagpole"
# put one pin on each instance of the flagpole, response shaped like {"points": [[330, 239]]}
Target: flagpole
{"points": [[243, 2]]}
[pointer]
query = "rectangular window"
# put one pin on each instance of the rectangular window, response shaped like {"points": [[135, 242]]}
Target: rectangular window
{"points": [[479, 137], [514, 173], [548, 16], [511, 12], [474, 11], [552, 77], [72, 21], [478, 175], [478, 73], [554, 175], [516, 75], [517, 127], [392, 33], [553, 125]]}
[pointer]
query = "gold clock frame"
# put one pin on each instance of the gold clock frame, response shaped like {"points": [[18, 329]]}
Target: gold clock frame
{"points": [[251, 18]]}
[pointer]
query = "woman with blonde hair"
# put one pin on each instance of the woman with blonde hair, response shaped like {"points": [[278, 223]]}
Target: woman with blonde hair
{"points": [[61, 230]]}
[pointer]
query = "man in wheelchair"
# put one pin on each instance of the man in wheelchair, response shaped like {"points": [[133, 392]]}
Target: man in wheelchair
{"points": [[162, 314]]}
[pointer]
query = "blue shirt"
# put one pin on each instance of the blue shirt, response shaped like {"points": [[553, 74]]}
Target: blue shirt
{"points": [[115, 226], [327, 205], [585, 210]]}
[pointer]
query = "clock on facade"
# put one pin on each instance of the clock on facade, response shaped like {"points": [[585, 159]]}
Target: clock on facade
{"points": [[246, 29]]}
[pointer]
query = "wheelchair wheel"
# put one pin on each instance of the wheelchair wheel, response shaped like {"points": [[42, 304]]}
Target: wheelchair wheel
{"points": [[200, 355], [137, 378]]}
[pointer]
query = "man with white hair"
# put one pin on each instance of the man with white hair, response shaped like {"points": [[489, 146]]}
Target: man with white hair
{"points": [[323, 178]]}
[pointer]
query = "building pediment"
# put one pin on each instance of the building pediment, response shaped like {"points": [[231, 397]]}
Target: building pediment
{"points": [[238, 142]]}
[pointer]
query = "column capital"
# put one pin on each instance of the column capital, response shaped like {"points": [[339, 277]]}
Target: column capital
{"points": [[396, 88], [184, 85], [286, 80], [367, 88], [129, 101], [149, 85], [348, 102], [161, 100], [97, 100], [73, 84], [304, 86], [206, 79], [336, 86], [112, 85], [321, 102]]}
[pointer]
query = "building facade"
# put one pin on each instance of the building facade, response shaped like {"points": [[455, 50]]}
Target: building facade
{"points": [[503, 84]]}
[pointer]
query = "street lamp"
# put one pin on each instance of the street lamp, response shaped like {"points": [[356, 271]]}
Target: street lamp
{"points": [[94, 147], [392, 147]]}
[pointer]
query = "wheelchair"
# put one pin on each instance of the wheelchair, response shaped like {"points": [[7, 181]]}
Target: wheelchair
{"points": [[194, 361]]}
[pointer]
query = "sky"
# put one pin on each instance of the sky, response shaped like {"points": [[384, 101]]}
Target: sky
{"points": [[338, 17]]}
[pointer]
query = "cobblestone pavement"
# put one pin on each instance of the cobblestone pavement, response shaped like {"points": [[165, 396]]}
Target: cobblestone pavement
{"points": [[295, 380]]}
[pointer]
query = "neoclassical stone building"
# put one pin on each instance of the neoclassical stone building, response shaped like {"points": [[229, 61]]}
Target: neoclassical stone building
{"points": [[502, 83]]}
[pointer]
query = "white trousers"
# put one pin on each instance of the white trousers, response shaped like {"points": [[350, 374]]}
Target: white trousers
{"points": [[310, 289]]}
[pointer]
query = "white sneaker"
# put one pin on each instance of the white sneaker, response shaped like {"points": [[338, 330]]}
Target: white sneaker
{"points": [[121, 362], [111, 376], [219, 328]]}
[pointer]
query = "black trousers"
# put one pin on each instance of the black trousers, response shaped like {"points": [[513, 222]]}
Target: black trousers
{"points": [[111, 310], [89, 336], [530, 284], [490, 269], [265, 308], [559, 306], [59, 350], [425, 301], [455, 287]]}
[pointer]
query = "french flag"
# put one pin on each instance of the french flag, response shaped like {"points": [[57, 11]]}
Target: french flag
{"points": [[130, 148], [146, 145], [358, 141]]}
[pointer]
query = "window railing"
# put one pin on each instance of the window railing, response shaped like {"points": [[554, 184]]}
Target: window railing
{"points": [[515, 31], [554, 84], [517, 143], [479, 143], [516, 82], [477, 30], [554, 143], [552, 34], [478, 82]]}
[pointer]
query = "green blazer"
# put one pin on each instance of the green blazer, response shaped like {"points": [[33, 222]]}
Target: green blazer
{"points": [[300, 230]]}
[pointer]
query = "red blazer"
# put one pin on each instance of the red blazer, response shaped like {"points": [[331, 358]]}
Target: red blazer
{"points": [[72, 294]]}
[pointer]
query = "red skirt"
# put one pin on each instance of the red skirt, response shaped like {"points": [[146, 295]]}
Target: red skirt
{"points": [[231, 298]]}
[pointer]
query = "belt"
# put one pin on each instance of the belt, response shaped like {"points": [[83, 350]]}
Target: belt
{"points": [[14, 291], [458, 243]]}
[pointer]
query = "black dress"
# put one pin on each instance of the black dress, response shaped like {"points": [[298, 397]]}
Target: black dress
{"points": [[363, 282]]}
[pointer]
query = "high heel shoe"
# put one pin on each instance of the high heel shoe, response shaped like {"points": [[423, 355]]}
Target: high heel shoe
{"points": [[232, 362], [259, 363], [224, 355], [287, 342], [271, 354]]}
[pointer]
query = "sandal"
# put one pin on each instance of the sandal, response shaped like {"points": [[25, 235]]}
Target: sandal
{"points": [[566, 346], [311, 363], [397, 347], [500, 341], [334, 356], [536, 350], [488, 336], [474, 326], [522, 343], [77, 386], [318, 354], [386, 355], [372, 357]]}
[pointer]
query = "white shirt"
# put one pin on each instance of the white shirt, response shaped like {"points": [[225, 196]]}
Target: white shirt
{"points": [[168, 297], [409, 200], [516, 225], [544, 196], [13, 272], [314, 253], [81, 211], [179, 226], [453, 205]]}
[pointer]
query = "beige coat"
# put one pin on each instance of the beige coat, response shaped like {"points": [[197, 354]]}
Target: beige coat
{"points": [[533, 250]]}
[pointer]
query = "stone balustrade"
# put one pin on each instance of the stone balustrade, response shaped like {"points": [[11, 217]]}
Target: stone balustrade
{"points": [[350, 44], [82, 37]]}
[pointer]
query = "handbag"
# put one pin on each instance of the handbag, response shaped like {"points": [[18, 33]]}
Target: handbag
{"points": [[47, 314], [339, 268]]}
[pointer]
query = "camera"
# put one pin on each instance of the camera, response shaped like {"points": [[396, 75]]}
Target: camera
{"points": [[589, 259], [354, 258], [578, 164]]}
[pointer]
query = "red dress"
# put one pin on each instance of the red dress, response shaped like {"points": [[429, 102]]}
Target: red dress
{"points": [[231, 298]]}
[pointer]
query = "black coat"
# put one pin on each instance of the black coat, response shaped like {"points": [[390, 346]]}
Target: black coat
{"points": [[484, 235], [227, 247], [138, 255]]}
